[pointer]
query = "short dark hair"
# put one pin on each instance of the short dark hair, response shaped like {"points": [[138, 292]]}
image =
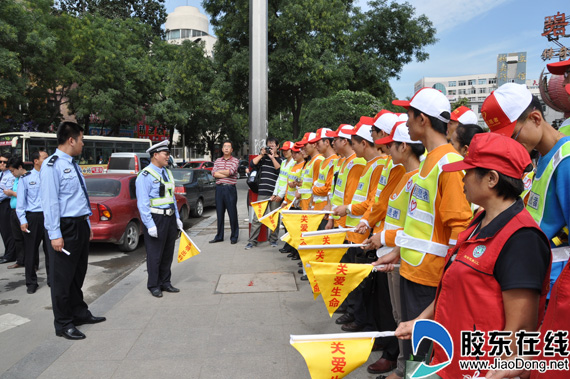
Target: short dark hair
{"points": [[228, 141], [272, 139], [66, 130], [35, 155], [6, 155], [330, 139], [465, 133], [359, 139], [418, 149], [534, 105], [437, 125], [15, 162], [507, 187]]}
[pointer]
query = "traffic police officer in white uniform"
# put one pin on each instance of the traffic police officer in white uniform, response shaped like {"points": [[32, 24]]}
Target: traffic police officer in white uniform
{"points": [[159, 214], [66, 208]]}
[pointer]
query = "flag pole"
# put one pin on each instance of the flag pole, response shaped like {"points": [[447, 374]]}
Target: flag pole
{"points": [[327, 231]]}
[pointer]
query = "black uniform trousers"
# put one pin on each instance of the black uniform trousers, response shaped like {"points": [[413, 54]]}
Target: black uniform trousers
{"points": [[226, 199], [160, 251], [6, 231], [18, 237], [67, 272], [31, 247]]}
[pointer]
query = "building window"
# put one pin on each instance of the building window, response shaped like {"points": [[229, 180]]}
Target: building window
{"points": [[481, 98], [471, 82], [493, 81], [452, 92], [482, 81], [461, 92], [452, 84], [174, 34], [482, 90], [462, 82]]}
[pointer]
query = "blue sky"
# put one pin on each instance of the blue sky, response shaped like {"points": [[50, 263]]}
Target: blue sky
{"points": [[471, 33]]}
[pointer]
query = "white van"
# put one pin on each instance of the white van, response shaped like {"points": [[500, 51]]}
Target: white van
{"points": [[127, 163]]}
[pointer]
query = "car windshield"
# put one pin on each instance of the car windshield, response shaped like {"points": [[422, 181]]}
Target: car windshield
{"points": [[103, 187], [193, 164], [182, 177]]}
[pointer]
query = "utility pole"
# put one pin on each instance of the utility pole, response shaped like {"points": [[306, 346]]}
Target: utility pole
{"points": [[257, 75]]}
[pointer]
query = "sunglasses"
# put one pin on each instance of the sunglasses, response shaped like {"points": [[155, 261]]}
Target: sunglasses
{"points": [[3, 161]]}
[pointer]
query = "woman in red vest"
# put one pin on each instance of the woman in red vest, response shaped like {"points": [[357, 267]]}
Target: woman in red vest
{"points": [[496, 277]]}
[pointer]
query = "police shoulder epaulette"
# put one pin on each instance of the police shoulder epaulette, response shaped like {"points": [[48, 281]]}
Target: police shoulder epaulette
{"points": [[52, 160], [144, 172], [26, 174]]}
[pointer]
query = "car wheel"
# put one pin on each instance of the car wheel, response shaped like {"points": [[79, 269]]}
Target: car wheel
{"points": [[130, 238], [184, 213], [198, 209]]}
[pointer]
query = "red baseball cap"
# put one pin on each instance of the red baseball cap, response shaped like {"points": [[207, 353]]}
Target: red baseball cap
{"points": [[429, 101], [464, 115], [494, 152], [502, 108], [305, 139], [287, 145], [558, 68], [321, 133], [296, 147]]}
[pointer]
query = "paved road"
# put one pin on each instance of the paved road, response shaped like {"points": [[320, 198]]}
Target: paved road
{"points": [[107, 267]]}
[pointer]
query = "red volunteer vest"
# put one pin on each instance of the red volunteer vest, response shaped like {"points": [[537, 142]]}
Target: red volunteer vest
{"points": [[469, 298], [556, 318]]}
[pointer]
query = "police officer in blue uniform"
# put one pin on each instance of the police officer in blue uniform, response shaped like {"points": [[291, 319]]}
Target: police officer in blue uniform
{"points": [[159, 214], [31, 220], [66, 208], [6, 183]]}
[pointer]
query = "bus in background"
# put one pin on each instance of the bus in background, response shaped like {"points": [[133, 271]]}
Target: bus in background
{"points": [[95, 154]]}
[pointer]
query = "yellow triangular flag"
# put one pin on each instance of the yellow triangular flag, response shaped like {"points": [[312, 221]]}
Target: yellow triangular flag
{"points": [[187, 248], [259, 208], [335, 357], [337, 280], [320, 253], [272, 219], [297, 223]]}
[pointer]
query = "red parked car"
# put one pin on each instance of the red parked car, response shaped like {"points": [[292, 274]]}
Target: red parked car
{"points": [[115, 217], [204, 165]]}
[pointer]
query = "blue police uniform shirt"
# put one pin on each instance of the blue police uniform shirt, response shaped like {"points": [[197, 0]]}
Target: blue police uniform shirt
{"points": [[6, 182], [13, 199], [61, 194], [148, 188], [28, 195]]}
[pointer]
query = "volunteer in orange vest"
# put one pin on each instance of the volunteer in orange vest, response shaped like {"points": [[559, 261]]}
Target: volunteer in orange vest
{"points": [[322, 186], [438, 210], [338, 164], [497, 276], [348, 175], [406, 153], [310, 172], [389, 178], [363, 196]]}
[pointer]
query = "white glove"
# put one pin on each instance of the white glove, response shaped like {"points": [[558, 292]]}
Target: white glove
{"points": [[180, 224], [153, 232]]}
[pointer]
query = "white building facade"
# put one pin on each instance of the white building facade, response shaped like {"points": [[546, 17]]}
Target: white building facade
{"points": [[187, 23]]}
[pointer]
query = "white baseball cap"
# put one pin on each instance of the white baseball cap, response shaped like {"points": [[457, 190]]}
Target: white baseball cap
{"points": [[464, 115], [321, 133], [400, 133], [385, 121], [364, 129], [504, 106], [342, 131], [402, 116], [429, 101]]}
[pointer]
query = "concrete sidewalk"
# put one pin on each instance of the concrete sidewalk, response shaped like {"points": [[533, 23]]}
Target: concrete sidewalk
{"points": [[197, 333]]}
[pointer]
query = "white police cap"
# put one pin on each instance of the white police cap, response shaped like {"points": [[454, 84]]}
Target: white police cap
{"points": [[161, 146]]}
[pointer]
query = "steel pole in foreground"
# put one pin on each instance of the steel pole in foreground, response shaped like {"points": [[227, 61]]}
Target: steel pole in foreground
{"points": [[257, 75]]}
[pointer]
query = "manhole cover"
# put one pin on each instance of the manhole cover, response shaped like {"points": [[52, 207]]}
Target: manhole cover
{"points": [[257, 282]]}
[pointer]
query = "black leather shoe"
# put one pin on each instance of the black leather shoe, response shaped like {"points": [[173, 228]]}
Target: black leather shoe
{"points": [[283, 250], [4, 260], [304, 277], [354, 327], [71, 334], [300, 264], [32, 289], [216, 241], [89, 320], [156, 292], [300, 271], [344, 319], [169, 288], [234, 242], [290, 255], [295, 258]]}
